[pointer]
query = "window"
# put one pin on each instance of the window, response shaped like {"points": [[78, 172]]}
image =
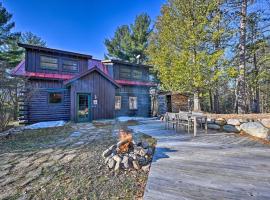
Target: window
{"points": [[55, 97], [125, 72], [47, 62], [133, 103], [117, 102], [70, 65], [137, 74]]}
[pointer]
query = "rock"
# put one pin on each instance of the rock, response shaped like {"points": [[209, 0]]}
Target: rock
{"points": [[117, 166], [230, 129], [145, 144], [142, 161], [146, 168], [256, 129], [136, 164], [266, 122], [150, 151], [117, 158], [107, 159], [106, 153], [125, 162], [243, 121], [113, 147], [133, 156], [109, 151], [213, 126], [111, 163], [220, 121], [234, 122]]}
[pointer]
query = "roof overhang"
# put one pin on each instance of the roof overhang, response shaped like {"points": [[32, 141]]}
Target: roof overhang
{"points": [[50, 50], [136, 83], [124, 63], [94, 69]]}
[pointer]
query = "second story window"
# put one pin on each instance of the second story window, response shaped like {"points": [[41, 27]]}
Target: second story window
{"points": [[137, 74], [125, 73], [70, 65], [47, 62]]}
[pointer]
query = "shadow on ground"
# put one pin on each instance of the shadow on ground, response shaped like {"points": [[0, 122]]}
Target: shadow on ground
{"points": [[161, 153]]}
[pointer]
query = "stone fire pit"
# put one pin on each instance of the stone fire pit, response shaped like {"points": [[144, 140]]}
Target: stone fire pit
{"points": [[127, 154]]}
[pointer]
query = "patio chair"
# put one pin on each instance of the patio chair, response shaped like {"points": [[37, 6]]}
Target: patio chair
{"points": [[170, 119], [185, 121]]}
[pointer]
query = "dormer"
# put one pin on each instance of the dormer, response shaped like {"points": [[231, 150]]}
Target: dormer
{"points": [[54, 61]]}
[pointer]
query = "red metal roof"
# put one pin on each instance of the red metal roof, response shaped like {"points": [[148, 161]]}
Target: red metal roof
{"points": [[20, 71], [93, 63]]}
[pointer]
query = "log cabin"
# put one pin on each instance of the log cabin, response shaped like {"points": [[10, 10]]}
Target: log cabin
{"points": [[64, 85]]}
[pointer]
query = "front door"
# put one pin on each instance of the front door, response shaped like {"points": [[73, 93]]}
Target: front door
{"points": [[83, 107]]}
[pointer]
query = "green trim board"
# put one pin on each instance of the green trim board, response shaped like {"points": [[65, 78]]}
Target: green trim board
{"points": [[83, 108]]}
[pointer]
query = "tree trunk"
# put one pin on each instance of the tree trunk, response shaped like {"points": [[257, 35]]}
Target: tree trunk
{"points": [[211, 100], [216, 101], [241, 93], [197, 106]]}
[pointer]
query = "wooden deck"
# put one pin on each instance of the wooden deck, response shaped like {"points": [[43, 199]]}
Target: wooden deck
{"points": [[212, 166]]}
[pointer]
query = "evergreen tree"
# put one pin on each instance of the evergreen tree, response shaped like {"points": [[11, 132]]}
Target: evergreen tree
{"points": [[31, 38], [130, 42], [180, 46]]}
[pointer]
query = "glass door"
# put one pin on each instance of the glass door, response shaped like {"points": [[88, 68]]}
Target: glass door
{"points": [[83, 107]]}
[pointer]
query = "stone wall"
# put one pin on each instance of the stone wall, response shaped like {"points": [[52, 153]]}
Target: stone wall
{"points": [[253, 126]]}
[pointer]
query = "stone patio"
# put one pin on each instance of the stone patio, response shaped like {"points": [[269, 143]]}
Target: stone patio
{"points": [[209, 166]]}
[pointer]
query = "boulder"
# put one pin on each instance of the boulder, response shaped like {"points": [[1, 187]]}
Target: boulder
{"points": [[143, 161], [106, 153], [125, 162], [135, 164], [150, 151], [146, 168], [145, 144], [220, 121], [234, 122], [230, 129], [117, 158], [213, 126], [243, 121], [256, 129], [111, 163], [266, 122]]}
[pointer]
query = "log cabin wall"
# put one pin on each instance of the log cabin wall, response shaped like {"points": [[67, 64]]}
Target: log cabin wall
{"points": [[143, 101], [141, 92], [98, 87], [39, 108]]}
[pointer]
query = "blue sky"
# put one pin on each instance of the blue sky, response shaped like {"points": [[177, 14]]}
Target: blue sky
{"points": [[78, 25]]}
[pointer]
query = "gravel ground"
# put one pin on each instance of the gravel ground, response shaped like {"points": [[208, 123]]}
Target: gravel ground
{"points": [[66, 163]]}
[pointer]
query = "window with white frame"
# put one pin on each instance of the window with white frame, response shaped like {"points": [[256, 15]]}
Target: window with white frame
{"points": [[117, 102], [133, 103]]}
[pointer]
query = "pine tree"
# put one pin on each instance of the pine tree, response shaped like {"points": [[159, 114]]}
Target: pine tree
{"points": [[31, 38], [130, 42]]}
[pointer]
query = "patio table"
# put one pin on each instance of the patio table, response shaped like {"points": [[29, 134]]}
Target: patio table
{"points": [[196, 117]]}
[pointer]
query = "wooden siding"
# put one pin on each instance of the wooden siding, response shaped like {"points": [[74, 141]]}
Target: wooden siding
{"points": [[143, 98], [39, 108], [32, 59], [98, 86]]}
